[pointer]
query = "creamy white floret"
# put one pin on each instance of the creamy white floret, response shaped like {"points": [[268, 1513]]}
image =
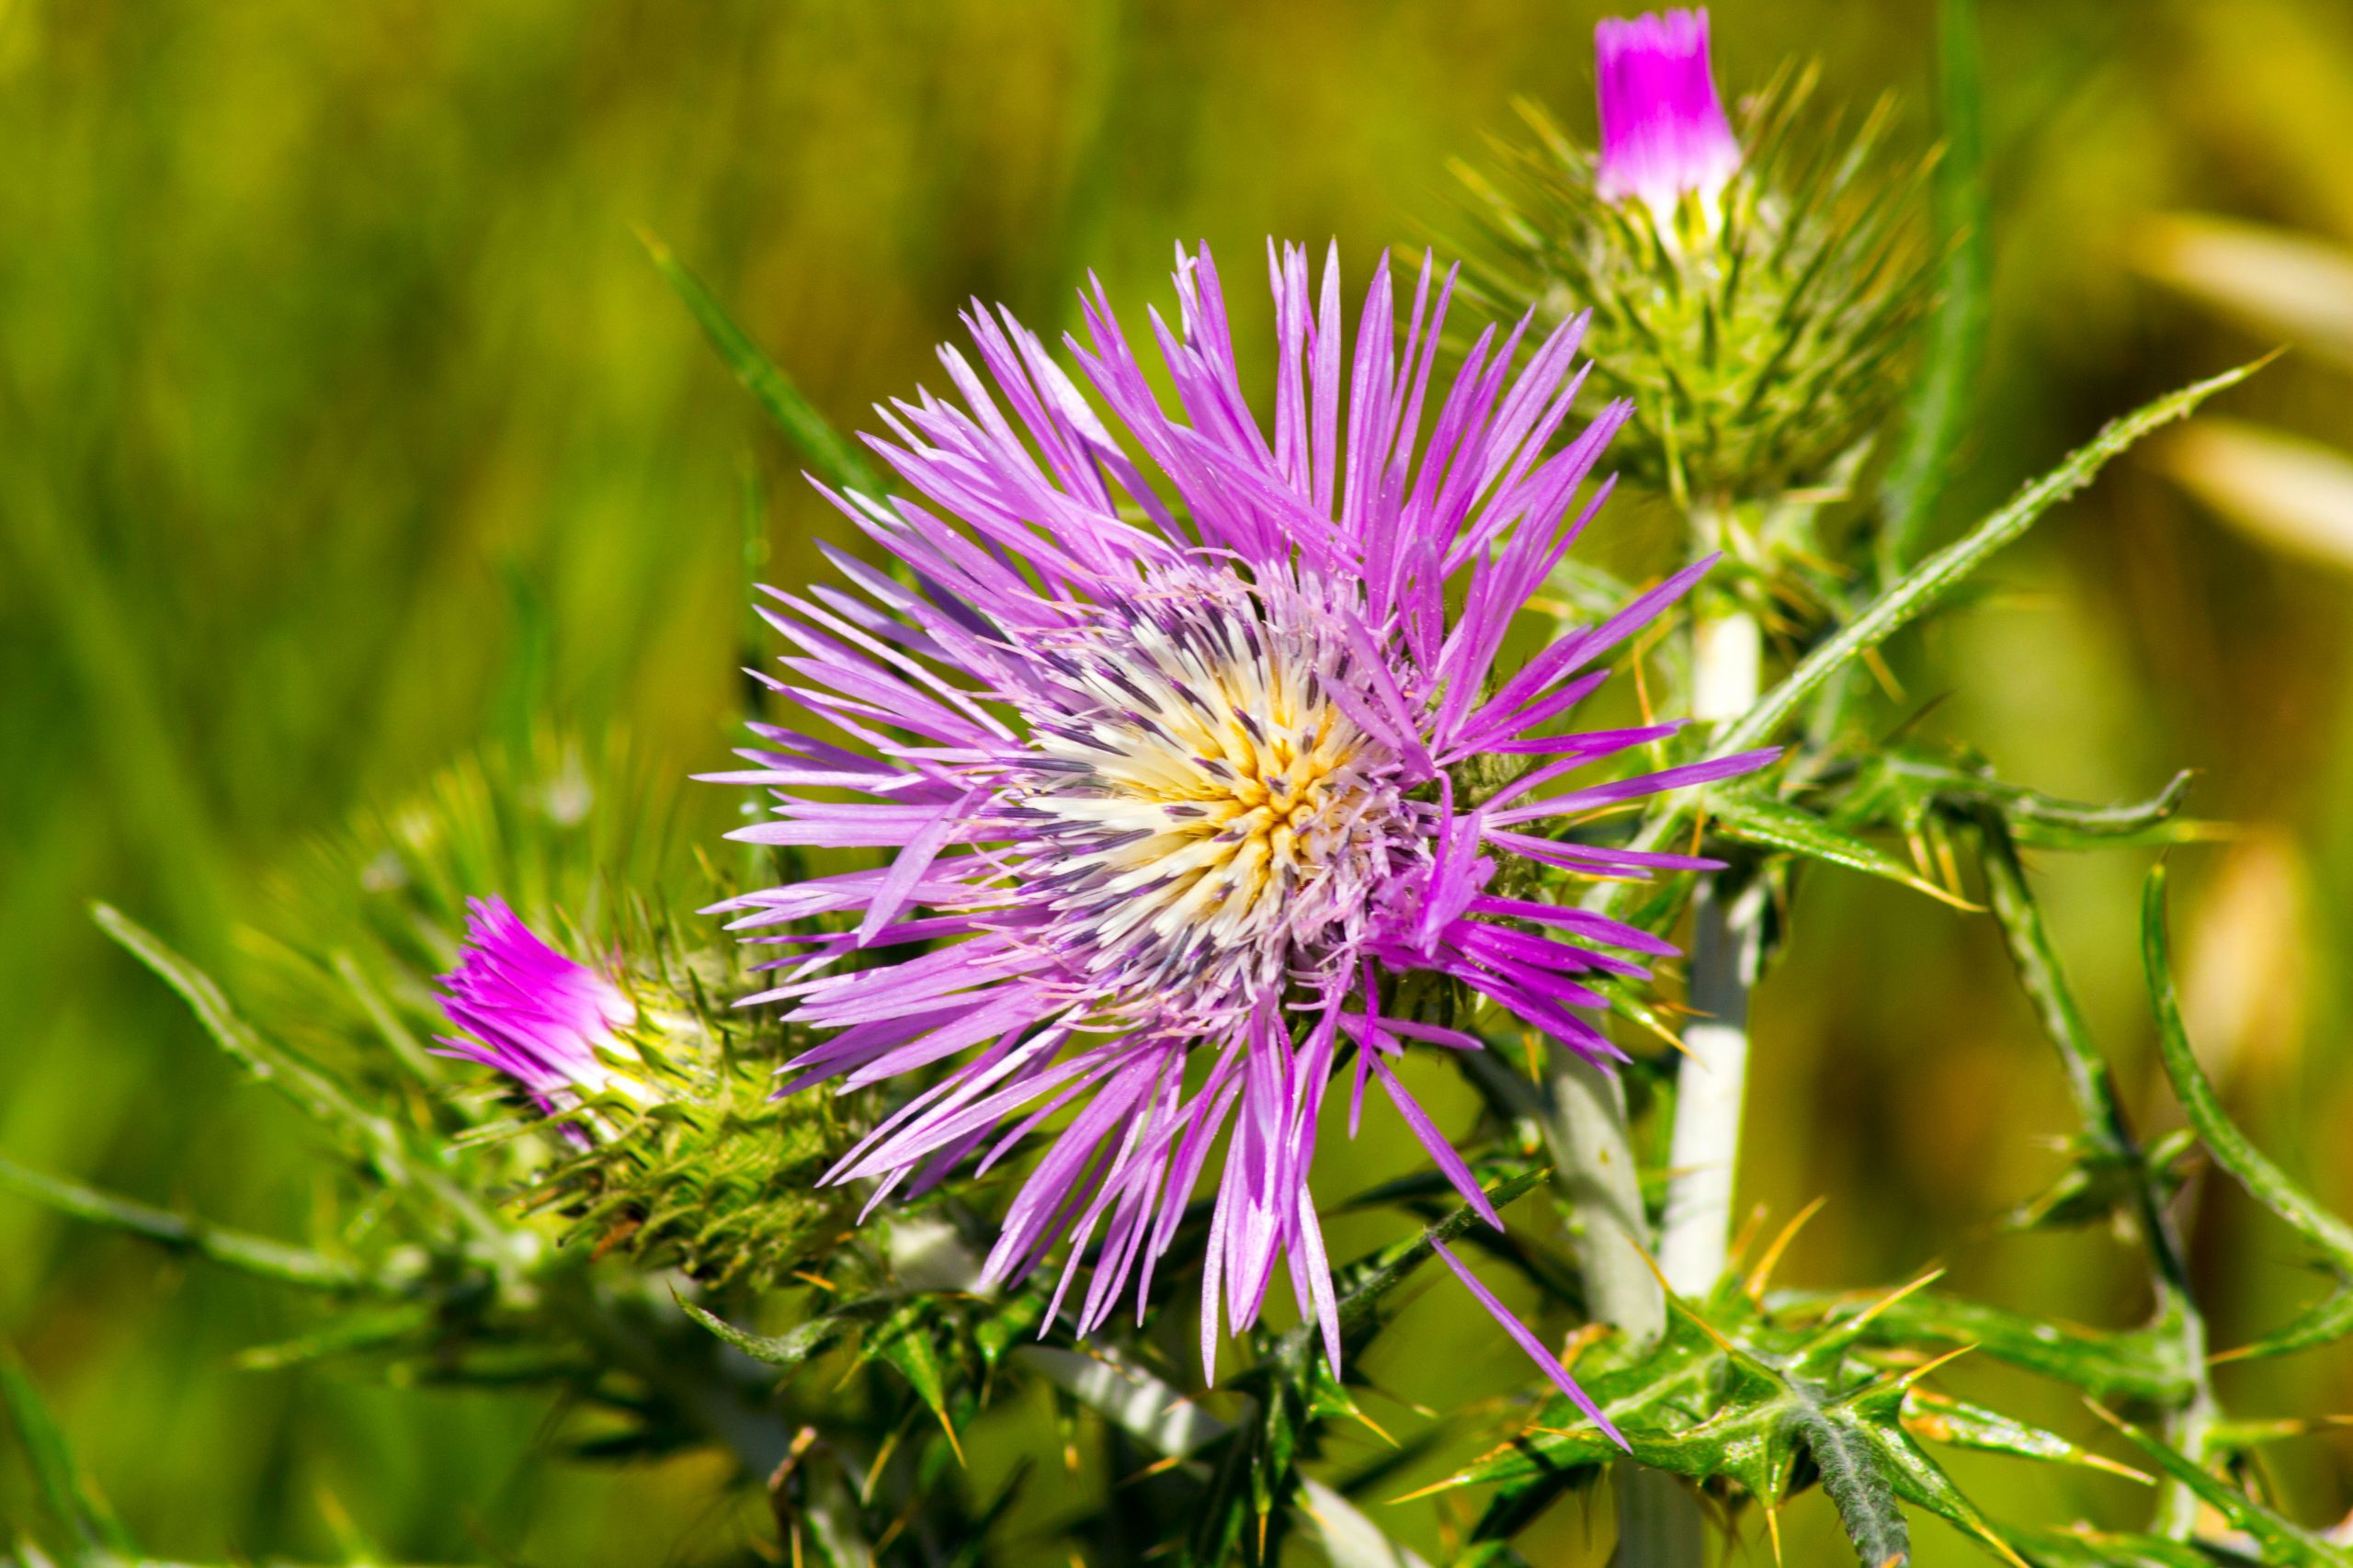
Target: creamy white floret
{"points": [[1213, 811]]}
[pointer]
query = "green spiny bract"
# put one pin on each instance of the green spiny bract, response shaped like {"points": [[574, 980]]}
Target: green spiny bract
{"points": [[699, 1166], [1757, 333]]}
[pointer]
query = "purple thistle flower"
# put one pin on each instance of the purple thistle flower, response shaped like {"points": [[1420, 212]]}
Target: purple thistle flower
{"points": [[1164, 750], [534, 1013], [1663, 128]]}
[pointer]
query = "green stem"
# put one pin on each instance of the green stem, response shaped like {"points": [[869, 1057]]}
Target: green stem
{"points": [[2107, 1135], [1594, 1167]]}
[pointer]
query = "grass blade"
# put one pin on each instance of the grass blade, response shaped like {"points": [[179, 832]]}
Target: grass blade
{"points": [[92, 1534], [1940, 406], [833, 459]]}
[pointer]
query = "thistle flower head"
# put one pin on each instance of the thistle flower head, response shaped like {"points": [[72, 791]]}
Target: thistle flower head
{"points": [[1663, 134], [1182, 757], [539, 1017]]}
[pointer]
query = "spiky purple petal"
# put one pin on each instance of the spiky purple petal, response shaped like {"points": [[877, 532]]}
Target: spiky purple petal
{"points": [[535, 1014]]}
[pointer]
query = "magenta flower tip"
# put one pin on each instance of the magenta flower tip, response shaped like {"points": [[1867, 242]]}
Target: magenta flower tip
{"points": [[533, 1013], [1663, 128]]}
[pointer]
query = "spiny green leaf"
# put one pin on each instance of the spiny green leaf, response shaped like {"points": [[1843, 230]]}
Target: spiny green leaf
{"points": [[2134, 1364], [1926, 584], [1941, 1418], [1854, 1477], [2265, 1181], [2325, 1321], [259, 1255], [2175, 1340], [787, 1349], [908, 1338], [1013, 1318], [1898, 786], [836, 461], [2050, 824], [2282, 1542], [1759, 817]]}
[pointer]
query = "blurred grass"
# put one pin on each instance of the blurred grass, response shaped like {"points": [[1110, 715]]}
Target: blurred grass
{"points": [[343, 421]]}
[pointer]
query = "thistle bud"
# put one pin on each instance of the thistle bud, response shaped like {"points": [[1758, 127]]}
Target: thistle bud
{"points": [[1752, 279], [672, 1146]]}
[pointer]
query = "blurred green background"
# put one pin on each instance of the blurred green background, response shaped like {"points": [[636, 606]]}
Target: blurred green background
{"points": [[343, 422]]}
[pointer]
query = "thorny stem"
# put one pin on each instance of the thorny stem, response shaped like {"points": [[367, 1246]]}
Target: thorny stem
{"points": [[2108, 1136]]}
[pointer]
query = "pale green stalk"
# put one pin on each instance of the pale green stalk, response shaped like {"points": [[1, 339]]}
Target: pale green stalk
{"points": [[1727, 659]]}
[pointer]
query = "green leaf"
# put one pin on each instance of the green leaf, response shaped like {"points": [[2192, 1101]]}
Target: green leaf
{"points": [[2282, 1542], [836, 460], [2325, 1321], [1941, 404], [1759, 817], [2265, 1182], [908, 1339], [1941, 1418], [2082, 1548], [787, 1349], [2105, 1143], [92, 1534], [2050, 824], [183, 1233], [1854, 1477], [351, 1335], [2137, 1363], [1727, 1392], [1013, 1318], [1926, 584]]}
